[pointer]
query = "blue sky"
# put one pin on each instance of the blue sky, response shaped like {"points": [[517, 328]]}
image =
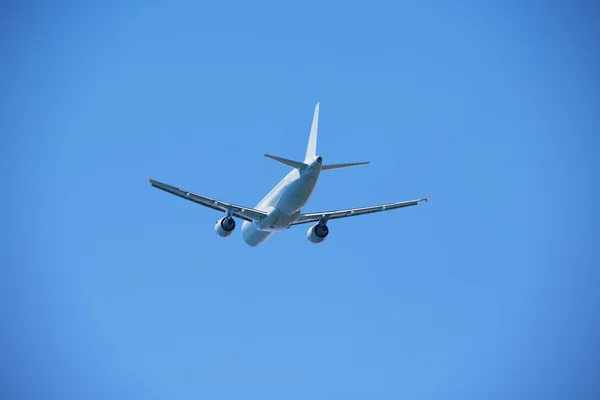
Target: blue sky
{"points": [[113, 289]]}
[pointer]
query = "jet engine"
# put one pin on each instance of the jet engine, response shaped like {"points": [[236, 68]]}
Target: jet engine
{"points": [[225, 226], [317, 233]]}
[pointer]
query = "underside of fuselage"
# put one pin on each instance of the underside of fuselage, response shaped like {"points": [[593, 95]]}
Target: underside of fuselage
{"points": [[283, 204]]}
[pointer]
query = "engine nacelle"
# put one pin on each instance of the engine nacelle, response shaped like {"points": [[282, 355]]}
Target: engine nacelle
{"points": [[225, 226], [317, 233]]}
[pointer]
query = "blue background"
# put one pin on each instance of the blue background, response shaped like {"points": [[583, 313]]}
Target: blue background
{"points": [[113, 289]]}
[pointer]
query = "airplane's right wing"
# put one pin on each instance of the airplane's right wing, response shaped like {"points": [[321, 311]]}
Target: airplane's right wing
{"points": [[327, 215]]}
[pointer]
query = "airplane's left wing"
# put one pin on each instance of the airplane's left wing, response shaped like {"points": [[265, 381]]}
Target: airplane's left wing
{"points": [[327, 215], [248, 214]]}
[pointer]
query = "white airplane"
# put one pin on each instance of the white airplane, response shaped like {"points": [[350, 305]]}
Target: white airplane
{"points": [[281, 208]]}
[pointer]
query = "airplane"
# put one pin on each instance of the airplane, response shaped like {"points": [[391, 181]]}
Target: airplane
{"points": [[282, 207]]}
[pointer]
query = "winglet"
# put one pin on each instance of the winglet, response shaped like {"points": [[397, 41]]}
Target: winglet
{"points": [[426, 198]]}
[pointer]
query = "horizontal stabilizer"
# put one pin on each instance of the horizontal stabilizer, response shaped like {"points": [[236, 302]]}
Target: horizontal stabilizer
{"points": [[291, 163], [337, 166]]}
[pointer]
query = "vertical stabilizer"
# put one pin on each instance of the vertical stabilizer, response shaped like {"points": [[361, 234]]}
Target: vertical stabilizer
{"points": [[311, 150]]}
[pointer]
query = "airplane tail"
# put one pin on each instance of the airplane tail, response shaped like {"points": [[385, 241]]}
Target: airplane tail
{"points": [[338, 166], [286, 161], [311, 150]]}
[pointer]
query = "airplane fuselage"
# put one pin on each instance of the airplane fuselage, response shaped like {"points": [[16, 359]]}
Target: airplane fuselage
{"points": [[283, 204]]}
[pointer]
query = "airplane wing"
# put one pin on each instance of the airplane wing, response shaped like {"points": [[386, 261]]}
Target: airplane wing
{"points": [[327, 215], [248, 214]]}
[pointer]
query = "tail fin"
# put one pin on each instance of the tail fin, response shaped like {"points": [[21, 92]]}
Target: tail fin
{"points": [[311, 150], [338, 166]]}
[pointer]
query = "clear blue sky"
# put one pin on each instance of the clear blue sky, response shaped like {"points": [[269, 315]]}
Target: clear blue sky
{"points": [[113, 289]]}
